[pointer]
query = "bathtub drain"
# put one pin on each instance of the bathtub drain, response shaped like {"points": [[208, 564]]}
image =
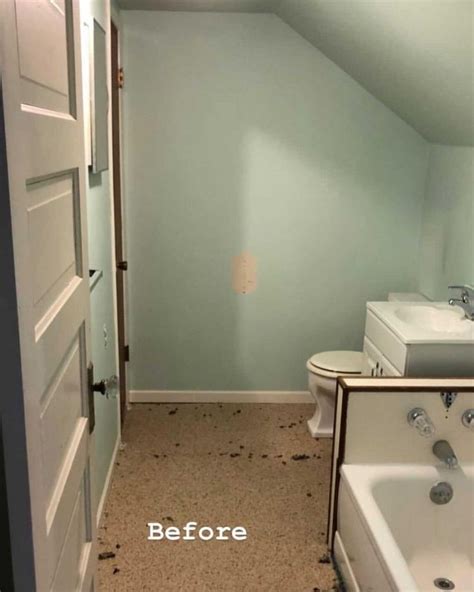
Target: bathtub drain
{"points": [[444, 584], [441, 493]]}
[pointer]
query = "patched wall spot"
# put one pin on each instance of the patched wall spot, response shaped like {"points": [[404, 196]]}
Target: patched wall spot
{"points": [[244, 273]]}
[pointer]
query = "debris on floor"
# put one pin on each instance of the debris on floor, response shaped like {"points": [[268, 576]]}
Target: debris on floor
{"points": [[106, 555], [324, 558], [195, 481]]}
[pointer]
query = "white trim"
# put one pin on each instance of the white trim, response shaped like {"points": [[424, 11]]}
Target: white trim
{"points": [[108, 480], [220, 397]]}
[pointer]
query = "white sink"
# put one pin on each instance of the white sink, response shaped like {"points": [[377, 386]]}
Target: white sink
{"points": [[422, 338], [425, 322], [434, 318]]}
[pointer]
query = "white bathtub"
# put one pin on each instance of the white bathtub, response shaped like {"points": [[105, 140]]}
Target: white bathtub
{"points": [[391, 536]]}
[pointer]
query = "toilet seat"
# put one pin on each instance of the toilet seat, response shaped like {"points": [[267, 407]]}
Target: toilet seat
{"points": [[336, 363]]}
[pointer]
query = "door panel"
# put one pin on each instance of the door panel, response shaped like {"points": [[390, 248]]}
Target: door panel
{"points": [[68, 575], [61, 410], [53, 249], [43, 44], [46, 168], [55, 334], [61, 504]]}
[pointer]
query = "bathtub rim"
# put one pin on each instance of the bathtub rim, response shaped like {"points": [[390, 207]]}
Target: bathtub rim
{"points": [[347, 386], [360, 481]]}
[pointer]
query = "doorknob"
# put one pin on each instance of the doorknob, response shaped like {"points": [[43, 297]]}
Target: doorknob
{"points": [[122, 265], [107, 386]]}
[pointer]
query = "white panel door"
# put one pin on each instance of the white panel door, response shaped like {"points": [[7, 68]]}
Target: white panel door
{"points": [[46, 168]]}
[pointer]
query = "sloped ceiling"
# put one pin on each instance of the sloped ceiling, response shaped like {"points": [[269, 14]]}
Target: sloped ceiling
{"points": [[416, 56]]}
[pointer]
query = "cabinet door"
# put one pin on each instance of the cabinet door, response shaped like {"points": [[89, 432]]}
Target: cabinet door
{"points": [[376, 363], [370, 364], [386, 369]]}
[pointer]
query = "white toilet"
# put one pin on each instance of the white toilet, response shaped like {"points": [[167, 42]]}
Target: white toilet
{"points": [[323, 370]]}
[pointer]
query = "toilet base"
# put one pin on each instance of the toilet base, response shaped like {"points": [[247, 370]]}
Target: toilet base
{"points": [[317, 432], [316, 427]]}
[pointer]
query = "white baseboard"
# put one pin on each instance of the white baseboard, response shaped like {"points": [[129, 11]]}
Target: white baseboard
{"points": [[108, 479], [220, 397]]}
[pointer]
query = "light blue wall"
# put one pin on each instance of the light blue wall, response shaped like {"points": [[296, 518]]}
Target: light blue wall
{"points": [[240, 135], [99, 213], [447, 248]]}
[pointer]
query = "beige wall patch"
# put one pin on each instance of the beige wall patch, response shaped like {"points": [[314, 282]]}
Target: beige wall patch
{"points": [[244, 273]]}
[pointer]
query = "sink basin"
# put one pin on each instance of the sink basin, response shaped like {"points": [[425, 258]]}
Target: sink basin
{"points": [[425, 322], [422, 338], [440, 320]]}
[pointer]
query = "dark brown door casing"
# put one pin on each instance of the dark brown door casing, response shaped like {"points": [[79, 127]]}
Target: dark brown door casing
{"points": [[119, 254]]}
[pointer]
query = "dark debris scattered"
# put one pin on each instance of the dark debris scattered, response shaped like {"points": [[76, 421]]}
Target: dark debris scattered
{"points": [[300, 457]]}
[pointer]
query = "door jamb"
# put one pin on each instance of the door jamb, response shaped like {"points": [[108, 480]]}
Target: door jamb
{"points": [[118, 211]]}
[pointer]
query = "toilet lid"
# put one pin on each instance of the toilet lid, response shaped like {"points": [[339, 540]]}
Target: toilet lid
{"points": [[343, 362]]}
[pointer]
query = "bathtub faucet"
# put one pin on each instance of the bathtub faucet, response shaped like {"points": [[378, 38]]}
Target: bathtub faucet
{"points": [[419, 419], [442, 449]]}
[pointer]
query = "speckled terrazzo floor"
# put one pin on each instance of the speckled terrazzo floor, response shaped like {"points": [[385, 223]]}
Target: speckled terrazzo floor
{"points": [[218, 465]]}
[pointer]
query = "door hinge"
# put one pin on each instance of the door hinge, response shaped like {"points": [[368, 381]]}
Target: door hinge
{"points": [[122, 265], [120, 78], [126, 353]]}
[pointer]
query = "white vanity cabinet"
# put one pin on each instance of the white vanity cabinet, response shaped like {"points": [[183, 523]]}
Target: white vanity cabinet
{"points": [[375, 363], [394, 347]]}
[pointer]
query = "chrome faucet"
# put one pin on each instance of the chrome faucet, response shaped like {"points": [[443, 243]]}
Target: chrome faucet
{"points": [[466, 302], [468, 419], [442, 449], [419, 419]]}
